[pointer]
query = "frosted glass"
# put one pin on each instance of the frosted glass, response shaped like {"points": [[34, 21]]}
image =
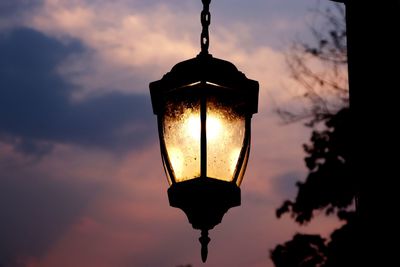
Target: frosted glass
{"points": [[181, 128], [225, 135]]}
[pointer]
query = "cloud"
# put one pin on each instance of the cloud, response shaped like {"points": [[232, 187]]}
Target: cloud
{"points": [[36, 108], [285, 184], [9, 7], [99, 210], [130, 43], [35, 210], [74, 84], [16, 12]]}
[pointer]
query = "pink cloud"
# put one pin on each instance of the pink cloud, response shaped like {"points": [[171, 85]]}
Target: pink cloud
{"points": [[129, 220]]}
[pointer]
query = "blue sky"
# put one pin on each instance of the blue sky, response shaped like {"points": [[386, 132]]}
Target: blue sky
{"points": [[81, 179]]}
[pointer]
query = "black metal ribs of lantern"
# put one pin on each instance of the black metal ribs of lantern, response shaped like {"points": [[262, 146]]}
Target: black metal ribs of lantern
{"points": [[204, 108]]}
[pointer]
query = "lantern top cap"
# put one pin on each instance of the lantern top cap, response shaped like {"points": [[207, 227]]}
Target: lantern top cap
{"points": [[205, 68], [207, 72]]}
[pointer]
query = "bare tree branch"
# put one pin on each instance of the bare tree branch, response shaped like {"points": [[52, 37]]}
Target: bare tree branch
{"points": [[320, 70]]}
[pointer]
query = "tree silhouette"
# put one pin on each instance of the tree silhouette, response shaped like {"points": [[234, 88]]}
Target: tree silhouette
{"points": [[306, 250], [329, 185], [320, 69], [302, 250]]}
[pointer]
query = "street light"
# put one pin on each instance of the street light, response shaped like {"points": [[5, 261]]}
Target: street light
{"points": [[204, 107]]}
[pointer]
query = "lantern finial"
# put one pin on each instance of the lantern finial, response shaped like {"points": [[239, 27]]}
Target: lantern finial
{"points": [[204, 240]]}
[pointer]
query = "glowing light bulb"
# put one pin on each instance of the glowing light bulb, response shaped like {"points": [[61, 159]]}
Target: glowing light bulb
{"points": [[214, 127], [193, 125]]}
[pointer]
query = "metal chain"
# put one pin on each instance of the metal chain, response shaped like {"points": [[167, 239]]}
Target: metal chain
{"points": [[205, 22]]}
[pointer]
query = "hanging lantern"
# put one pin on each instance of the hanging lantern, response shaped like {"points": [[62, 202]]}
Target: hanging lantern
{"points": [[204, 108]]}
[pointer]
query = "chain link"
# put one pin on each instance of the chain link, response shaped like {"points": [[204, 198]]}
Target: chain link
{"points": [[205, 22]]}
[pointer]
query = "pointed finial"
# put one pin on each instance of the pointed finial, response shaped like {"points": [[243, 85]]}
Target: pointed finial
{"points": [[204, 240]]}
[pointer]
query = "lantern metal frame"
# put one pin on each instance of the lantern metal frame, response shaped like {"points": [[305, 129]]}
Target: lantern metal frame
{"points": [[204, 199]]}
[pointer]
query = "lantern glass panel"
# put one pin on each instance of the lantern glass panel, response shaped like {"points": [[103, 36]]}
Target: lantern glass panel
{"points": [[225, 137], [181, 129]]}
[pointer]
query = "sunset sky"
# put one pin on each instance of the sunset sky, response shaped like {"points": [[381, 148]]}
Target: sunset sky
{"points": [[81, 178]]}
